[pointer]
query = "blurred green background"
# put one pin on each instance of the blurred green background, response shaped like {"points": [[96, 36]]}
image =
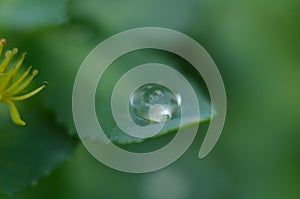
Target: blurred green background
{"points": [[255, 45]]}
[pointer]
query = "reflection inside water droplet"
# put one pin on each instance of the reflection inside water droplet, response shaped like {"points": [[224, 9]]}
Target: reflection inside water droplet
{"points": [[153, 103]]}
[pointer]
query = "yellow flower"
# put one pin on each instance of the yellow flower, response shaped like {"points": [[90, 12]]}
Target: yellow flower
{"points": [[13, 82]]}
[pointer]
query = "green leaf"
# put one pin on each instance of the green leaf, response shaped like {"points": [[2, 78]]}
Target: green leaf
{"points": [[65, 49], [26, 15], [31, 152], [129, 61]]}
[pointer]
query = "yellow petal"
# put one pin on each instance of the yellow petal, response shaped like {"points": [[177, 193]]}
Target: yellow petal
{"points": [[17, 82], [28, 95], [19, 62], [5, 79], [8, 56], [24, 84], [2, 43], [14, 113]]}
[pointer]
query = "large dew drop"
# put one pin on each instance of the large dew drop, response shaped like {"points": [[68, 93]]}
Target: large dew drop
{"points": [[153, 103]]}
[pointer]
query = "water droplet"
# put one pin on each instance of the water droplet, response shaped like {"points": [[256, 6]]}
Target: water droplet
{"points": [[153, 103]]}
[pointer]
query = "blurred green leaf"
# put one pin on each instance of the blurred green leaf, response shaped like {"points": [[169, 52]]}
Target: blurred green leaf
{"points": [[59, 54], [25, 15], [115, 17], [31, 152]]}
